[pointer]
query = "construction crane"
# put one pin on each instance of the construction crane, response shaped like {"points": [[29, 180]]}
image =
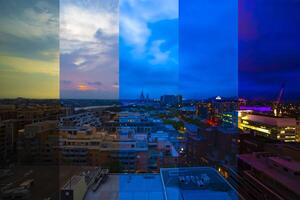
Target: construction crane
{"points": [[279, 99]]}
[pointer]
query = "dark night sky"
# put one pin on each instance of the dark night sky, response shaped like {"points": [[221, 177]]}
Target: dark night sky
{"points": [[269, 48]]}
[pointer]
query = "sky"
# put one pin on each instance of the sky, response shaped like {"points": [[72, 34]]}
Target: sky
{"points": [[170, 48], [148, 48], [208, 48], [89, 34], [110, 49], [29, 49], [269, 49]]}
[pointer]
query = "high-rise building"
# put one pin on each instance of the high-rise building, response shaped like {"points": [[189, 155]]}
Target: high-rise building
{"points": [[171, 100], [142, 96]]}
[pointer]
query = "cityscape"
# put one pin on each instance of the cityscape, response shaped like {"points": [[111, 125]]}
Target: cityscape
{"points": [[246, 148], [149, 100]]}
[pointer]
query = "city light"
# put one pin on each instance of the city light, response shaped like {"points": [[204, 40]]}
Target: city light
{"points": [[149, 99]]}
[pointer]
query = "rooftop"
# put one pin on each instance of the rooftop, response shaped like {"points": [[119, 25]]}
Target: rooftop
{"points": [[129, 187], [195, 183], [171, 184], [261, 164], [288, 163], [271, 120]]}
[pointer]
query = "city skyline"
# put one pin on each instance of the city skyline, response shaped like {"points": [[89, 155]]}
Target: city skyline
{"points": [[149, 99]]}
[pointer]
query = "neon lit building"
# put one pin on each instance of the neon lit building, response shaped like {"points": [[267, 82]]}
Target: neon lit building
{"points": [[277, 128]]}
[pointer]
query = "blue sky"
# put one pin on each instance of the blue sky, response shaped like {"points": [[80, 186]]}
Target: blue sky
{"points": [[148, 48], [194, 54], [208, 48]]}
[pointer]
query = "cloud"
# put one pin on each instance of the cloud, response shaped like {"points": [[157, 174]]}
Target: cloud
{"points": [[79, 61], [135, 32], [24, 65], [35, 22], [88, 34], [29, 38], [96, 83], [115, 85], [84, 87], [148, 50], [136, 16], [89, 47], [158, 56], [30, 29], [66, 82], [81, 25]]}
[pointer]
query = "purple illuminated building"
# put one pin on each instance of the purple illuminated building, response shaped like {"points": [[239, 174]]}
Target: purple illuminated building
{"points": [[257, 108]]}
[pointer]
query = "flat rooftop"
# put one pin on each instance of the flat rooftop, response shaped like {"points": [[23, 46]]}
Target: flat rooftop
{"points": [[195, 183], [129, 187], [292, 183], [167, 185], [289, 164], [46, 180], [271, 120]]}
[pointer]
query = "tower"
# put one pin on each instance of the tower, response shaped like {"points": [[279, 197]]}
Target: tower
{"points": [[142, 96]]}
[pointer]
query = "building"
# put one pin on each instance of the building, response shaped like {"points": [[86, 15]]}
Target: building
{"points": [[37, 143], [221, 106], [79, 120], [195, 183], [3, 142], [212, 147], [129, 186], [270, 175], [277, 128], [249, 143], [169, 184], [229, 119], [204, 110], [131, 147], [8, 140], [75, 188], [171, 100], [123, 151]]}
